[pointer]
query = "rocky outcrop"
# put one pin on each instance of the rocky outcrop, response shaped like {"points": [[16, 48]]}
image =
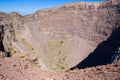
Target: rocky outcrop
{"points": [[61, 37], [1, 38]]}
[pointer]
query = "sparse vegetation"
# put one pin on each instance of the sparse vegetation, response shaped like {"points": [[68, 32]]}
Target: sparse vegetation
{"points": [[46, 44]]}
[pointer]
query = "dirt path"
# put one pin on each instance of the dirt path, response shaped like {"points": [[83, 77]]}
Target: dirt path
{"points": [[21, 68]]}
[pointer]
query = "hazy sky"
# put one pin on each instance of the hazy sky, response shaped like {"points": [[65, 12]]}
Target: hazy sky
{"points": [[30, 6]]}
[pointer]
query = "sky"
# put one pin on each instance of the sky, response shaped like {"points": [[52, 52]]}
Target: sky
{"points": [[30, 6]]}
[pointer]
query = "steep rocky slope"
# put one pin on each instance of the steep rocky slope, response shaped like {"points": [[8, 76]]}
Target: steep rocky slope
{"points": [[106, 52], [61, 37]]}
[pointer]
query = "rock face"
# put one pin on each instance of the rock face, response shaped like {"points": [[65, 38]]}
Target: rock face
{"points": [[106, 52], [61, 37]]}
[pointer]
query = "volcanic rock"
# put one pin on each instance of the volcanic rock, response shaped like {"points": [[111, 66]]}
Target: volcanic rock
{"points": [[60, 37]]}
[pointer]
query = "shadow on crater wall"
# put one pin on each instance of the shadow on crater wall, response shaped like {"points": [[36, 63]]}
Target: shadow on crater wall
{"points": [[102, 55], [2, 49], [1, 38]]}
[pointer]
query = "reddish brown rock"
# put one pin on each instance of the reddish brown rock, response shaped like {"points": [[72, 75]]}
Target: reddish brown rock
{"points": [[60, 37]]}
